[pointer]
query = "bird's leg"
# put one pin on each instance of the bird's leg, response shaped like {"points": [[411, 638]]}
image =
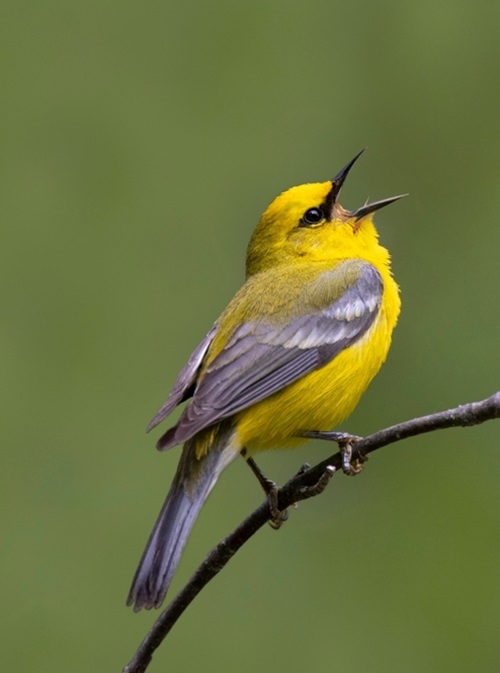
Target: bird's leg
{"points": [[271, 490], [345, 442]]}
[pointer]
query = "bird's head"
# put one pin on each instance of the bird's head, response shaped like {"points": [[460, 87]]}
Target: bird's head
{"points": [[307, 223]]}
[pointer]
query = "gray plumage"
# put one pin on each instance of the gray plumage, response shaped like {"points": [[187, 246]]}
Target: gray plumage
{"points": [[193, 481]]}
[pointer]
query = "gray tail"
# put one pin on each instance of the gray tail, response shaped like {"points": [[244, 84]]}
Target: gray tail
{"points": [[192, 483]]}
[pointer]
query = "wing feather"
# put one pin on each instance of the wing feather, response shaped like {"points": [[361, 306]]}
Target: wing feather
{"points": [[183, 386]]}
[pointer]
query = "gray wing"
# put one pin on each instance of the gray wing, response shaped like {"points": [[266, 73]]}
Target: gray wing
{"points": [[260, 358], [184, 385]]}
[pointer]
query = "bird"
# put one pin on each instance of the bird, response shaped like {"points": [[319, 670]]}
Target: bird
{"points": [[292, 353]]}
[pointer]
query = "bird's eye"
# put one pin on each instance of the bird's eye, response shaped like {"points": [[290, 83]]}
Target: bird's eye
{"points": [[311, 217]]}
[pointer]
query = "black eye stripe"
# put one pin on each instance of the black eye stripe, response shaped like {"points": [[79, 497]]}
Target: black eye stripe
{"points": [[311, 217]]}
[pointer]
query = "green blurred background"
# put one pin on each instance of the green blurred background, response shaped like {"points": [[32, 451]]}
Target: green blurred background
{"points": [[140, 143]]}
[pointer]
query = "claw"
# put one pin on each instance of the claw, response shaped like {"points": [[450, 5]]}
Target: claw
{"points": [[303, 469]]}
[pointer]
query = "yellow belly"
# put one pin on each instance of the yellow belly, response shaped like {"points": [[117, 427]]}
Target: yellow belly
{"points": [[318, 401]]}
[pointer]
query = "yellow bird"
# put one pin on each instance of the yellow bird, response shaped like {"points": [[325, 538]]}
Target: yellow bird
{"points": [[293, 352]]}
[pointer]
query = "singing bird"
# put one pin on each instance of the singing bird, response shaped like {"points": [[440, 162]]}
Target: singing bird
{"points": [[293, 352]]}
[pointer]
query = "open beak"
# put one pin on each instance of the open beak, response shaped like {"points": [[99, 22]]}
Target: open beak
{"points": [[336, 210]]}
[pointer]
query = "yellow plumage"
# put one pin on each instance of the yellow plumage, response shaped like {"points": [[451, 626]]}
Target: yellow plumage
{"points": [[293, 352], [280, 257]]}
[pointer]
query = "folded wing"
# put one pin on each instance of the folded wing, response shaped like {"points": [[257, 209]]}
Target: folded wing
{"points": [[263, 357]]}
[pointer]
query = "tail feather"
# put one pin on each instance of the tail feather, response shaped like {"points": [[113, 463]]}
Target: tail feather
{"points": [[192, 484]]}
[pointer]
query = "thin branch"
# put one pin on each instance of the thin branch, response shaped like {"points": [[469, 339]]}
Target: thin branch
{"points": [[304, 485]]}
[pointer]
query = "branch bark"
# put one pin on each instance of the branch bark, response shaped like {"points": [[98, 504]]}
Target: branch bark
{"points": [[306, 484]]}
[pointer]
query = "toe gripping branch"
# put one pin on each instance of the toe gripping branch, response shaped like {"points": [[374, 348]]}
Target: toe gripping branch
{"points": [[345, 442]]}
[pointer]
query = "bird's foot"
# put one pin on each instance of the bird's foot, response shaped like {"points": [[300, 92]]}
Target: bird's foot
{"points": [[277, 516], [345, 443], [320, 485]]}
